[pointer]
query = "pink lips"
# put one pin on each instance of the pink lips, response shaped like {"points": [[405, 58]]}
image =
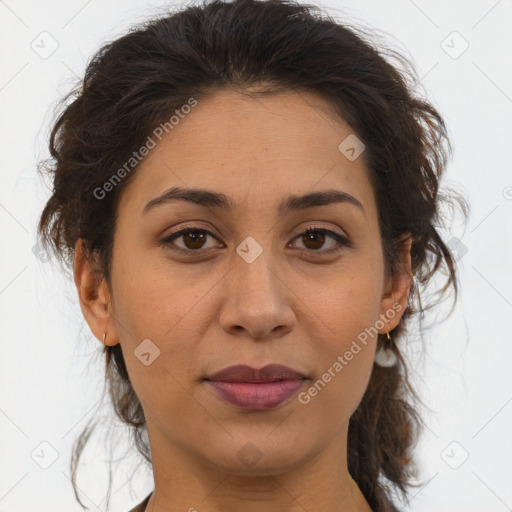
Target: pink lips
{"points": [[253, 389]]}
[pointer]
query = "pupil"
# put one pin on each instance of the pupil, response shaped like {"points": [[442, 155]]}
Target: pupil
{"points": [[196, 239], [315, 237]]}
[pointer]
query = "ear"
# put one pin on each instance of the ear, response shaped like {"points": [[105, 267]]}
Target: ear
{"points": [[94, 295], [397, 286]]}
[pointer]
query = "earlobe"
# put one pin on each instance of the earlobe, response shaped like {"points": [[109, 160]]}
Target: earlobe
{"points": [[396, 293]]}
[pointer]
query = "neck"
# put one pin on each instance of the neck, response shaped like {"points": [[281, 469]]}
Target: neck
{"points": [[183, 481]]}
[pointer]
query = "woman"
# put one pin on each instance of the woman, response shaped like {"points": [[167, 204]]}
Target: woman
{"points": [[248, 194]]}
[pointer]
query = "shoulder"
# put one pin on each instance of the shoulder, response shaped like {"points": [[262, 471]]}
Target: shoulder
{"points": [[141, 507]]}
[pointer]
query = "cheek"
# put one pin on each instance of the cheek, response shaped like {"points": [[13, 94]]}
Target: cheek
{"points": [[346, 359], [350, 303], [151, 299], [349, 310], [159, 317]]}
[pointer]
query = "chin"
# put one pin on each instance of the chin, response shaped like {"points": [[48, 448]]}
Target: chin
{"points": [[258, 455]]}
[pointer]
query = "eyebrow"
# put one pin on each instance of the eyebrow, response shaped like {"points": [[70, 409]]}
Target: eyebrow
{"points": [[211, 199]]}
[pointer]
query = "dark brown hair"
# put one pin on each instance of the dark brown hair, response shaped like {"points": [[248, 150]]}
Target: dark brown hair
{"points": [[136, 82]]}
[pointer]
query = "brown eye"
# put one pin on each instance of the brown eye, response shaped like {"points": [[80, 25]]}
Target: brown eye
{"points": [[193, 239], [315, 240]]}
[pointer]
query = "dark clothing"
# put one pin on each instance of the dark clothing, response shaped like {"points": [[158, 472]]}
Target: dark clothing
{"points": [[141, 507]]}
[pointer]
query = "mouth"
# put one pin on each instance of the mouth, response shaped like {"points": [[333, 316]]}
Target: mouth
{"points": [[256, 389]]}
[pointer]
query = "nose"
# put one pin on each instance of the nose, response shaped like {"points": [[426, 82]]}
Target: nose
{"points": [[258, 303]]}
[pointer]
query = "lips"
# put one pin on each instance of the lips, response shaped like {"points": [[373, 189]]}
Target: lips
{"points": [[244, 373], [256, 389]]}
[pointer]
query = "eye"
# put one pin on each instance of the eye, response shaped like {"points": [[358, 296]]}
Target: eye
{"points": [[194, 238], [314, 239]]}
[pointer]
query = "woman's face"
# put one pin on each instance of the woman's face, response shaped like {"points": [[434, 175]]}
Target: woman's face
{"points": [[247, 286]]}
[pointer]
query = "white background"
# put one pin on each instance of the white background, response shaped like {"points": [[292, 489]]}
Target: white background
{"points": [[50, 372]]}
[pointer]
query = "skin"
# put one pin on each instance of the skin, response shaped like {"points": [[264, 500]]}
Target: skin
{"points": [[294, 305]]}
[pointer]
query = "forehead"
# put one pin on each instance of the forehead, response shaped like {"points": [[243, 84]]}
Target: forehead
{"points": [[274, 145]]}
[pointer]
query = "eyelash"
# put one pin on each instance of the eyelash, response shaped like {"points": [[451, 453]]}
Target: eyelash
{"points": [[342, 242]]}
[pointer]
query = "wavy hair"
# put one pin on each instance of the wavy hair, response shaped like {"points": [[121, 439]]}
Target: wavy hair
{"points": [[137, 81]]}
